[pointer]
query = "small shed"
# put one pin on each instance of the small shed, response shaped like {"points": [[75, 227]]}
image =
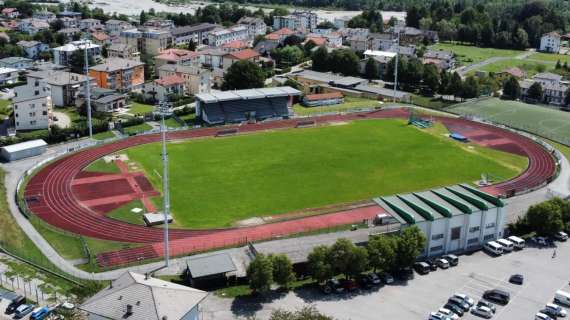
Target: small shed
{"points": [[23, 150], [210, 270]]}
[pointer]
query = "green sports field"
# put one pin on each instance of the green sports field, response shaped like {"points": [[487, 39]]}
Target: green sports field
{"points": [[218, 181], [547, 122]]}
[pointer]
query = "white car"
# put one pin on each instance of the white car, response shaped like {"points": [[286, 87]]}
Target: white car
{"points": [[541, 316], [442, 263], [448, 313], [561, 236], [438, 316], [555, 309], [465, 299], [482, 312]]}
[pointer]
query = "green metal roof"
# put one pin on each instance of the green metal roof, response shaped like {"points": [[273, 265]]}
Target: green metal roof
{"points": [[490, 198], [418, 208], [456, 203], [400, 211], [471, 199], [443, 210]]}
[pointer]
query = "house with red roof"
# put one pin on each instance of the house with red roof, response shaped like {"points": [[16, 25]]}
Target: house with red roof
{"points": [[164, 88], [235, 45], [11, 13], [279, 35], [101, 38], [247, 54], [177, 56]]}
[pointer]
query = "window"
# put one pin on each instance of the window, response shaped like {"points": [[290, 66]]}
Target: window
{"points": [[437, 236], [455, 233], [472, 240], [436, 248], [474, 229], [490, 225], [44, 113], [489, 236]]}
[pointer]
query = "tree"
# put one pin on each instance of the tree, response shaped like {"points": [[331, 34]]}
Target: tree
{"points": [[346, 258], [381, 253], [545, 218], [444, 82], [142, 17], [243, 75], [77, 61], [293, 84], [282, 270], [292, 40], [344, 61], [320, 59], [260, 273], [535, 92], [371, 69], [326, 25], [520, 39], [511, 88], [413, 17], [431, 78], [306, 313], [318, 264], [288, 56], [470, 88], [409, 245], [192, 45]]}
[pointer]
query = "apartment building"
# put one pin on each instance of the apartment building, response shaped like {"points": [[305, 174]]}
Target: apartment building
{"points": [[118, 74], [124, 51], [255, 26], [197, 80], [223, 36], [33, 48], [63, 86], [162, 89], [178, 57], [62, 55], [8, 76], [303, 21], [197, 33], [32, 108]]}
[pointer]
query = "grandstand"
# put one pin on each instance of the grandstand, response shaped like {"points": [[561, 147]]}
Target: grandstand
{"points": [[241, 105]]}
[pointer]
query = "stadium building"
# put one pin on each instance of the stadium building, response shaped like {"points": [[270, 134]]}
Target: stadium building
{"points": [[241, 105]]}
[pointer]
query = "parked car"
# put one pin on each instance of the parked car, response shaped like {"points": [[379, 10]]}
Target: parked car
{"points": [[452, 259], [561, 236], [516, 279], [454, 308], [555, 310], [18, 301], [541, 316], [460, 303], [332, 285], [348, 284], [442, 263], [487, 304], [482, 312], [432, 264], [519, 242], [23, 310], [498, 296], [452, 315], [405, 274], [374, 279], [386, 277], [364, 282], [562, 297], [465, 299], [438, 316], [422, 267], [40, 313], [541, 241]]}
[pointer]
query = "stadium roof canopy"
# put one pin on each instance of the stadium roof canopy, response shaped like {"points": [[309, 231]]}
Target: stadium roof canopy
{"points": [[247, 94]]}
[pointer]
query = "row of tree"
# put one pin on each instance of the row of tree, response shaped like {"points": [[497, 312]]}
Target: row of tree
{"points": [[545, 218], [343, 61]]}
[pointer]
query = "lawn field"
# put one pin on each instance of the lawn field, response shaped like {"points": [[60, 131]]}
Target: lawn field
{"points": [[531, 67], [471, 54], [137, 108], [218, 181], [543, 121], [549, 57], [350, 103]]}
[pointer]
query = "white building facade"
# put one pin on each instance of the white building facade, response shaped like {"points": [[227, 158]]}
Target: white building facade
{"points": [[221, 37], [303, 21], [550, 42], [32, 108]]}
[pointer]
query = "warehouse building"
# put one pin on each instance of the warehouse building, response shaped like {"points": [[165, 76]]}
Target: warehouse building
{"points": [[23, 150], [454, 219], [242, 105]]}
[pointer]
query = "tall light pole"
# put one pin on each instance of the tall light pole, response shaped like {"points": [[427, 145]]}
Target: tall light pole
{"points": [[163, 108], [396, 68], [88, 89]]}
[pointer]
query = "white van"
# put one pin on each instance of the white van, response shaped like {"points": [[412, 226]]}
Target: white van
{"points": [[518, 242], [562, 297], [493, 248], [507, 245]]}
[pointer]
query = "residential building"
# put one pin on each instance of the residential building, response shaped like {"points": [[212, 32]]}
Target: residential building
{"points": [[16, 63], [197, 80], [62, 55], [553, 90], [116, 26], [212, 58], [223, 36], [32, 108], [132, 38], [341, 22], [318, 40], [8, 76], [454, 219], [32, 26], [347, 33], [118, 74], [411, 35], [277, 37], [104, 100], [197, 33], [69, 22], [444, 60], [45, 15], [136, 296], [510, 72], [550, 42], [63, 86], [255, 26], [101, 38], [155, 41], [547, 78], [33, 48], [69, 14], [178, 57], [11, 13], [382, 59], [334, 39], [247, 54], [69, 33], [124, 51], [236, 45], [159, 23], [162, 89], [86, 24], [303, 21]]}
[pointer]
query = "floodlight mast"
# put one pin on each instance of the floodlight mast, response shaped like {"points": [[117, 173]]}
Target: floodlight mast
{"points": [[163, 108], [88, 89], [396, 68]]}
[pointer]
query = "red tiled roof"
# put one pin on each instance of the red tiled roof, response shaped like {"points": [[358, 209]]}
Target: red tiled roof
{"points": [[169, 80], [272, 36], [177, 54], [9, 10], [319, 41], [236, 44], [284, 32], [515, 72], [324, 96], [244, 54], [101, 36]]}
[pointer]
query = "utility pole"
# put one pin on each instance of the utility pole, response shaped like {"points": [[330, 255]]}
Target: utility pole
{"points": [[396, 67], [88, 90], [166, 201]]}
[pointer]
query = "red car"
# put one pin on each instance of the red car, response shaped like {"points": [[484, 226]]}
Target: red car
{"points": [[349, 285]]}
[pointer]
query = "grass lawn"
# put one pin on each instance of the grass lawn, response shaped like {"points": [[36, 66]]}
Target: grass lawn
{"points": [[4, 107], [531, 67], [550, 57], [125, 214], [430, 102], [171, 123], [136, 108], [471, 54], [543, 121], [349, 103], [101, 166], [136, 129], [103, 135], [263, 174]]}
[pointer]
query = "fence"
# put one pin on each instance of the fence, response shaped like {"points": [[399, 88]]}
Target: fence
{"points": [[32, 289]]}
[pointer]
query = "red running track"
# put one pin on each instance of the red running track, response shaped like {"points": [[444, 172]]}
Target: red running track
{"points": [[50, 196]]}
